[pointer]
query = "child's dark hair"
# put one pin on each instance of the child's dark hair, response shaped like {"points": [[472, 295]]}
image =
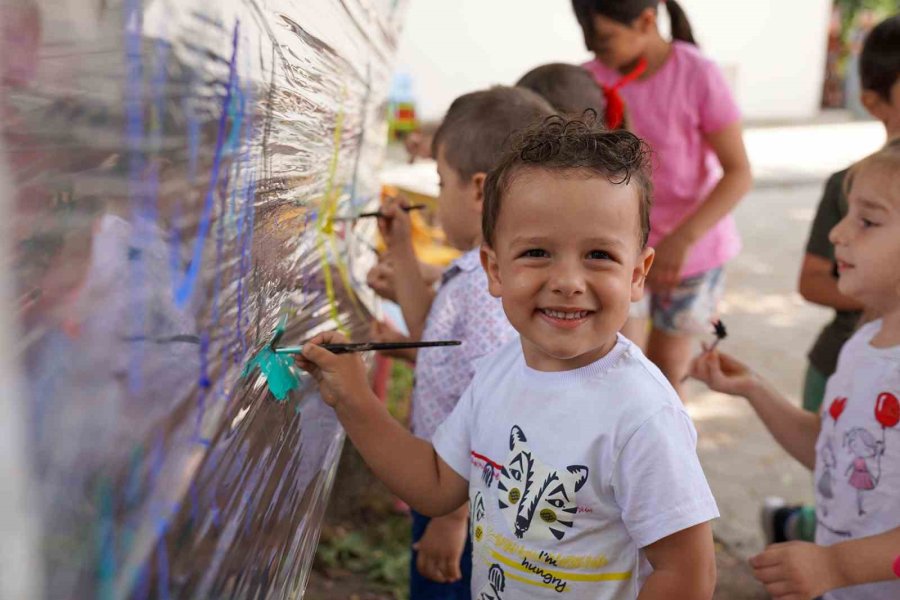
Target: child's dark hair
{"points": [[569, 88], [625, 12], [477, 126], [879, 62], [559, 144]]}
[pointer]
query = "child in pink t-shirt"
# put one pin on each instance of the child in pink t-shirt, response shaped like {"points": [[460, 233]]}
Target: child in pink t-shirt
{"points": [[682, 107]]}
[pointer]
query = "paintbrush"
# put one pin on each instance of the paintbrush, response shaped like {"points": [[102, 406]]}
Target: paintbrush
{"points": [[367, 346], [721, 334], [379, 214]]}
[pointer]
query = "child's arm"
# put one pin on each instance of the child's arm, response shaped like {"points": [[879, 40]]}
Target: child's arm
{"points": [[414, 295], [684, 565], [441, 546], [805, 570], [792, 427], [728, 144], [408, 465], [819, 285]]}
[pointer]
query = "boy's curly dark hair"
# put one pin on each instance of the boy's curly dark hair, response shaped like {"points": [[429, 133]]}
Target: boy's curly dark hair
{"points": [[559, 144]]}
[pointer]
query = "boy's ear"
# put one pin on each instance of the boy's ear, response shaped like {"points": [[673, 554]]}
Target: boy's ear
{"points": [[874, 104], [492, 268], [478, 185], [641, 270]]}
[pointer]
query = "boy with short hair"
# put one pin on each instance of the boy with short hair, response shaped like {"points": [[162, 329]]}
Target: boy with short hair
{"points": [[879, 66], [576, 454], [467, 144], [570, 89]]}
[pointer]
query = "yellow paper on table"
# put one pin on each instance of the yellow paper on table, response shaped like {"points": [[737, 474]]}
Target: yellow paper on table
{"points": [[429, 242]]}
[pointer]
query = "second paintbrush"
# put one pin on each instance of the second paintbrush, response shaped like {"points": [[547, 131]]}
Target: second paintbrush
{"points": [[379, 214], [368, 346]]}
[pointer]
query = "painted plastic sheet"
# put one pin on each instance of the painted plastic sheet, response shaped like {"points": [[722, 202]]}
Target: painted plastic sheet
{"points": [[175, 167]]}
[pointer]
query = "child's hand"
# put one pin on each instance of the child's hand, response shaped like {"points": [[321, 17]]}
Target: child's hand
{"points": [[723, 373], [796, 570], [665, 274], [440, 548], [381, 279], [395, 226], [342, 378]]}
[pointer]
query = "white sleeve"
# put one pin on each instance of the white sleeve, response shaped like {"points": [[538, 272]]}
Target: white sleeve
{"points": [[658, 481], [453, 438]]}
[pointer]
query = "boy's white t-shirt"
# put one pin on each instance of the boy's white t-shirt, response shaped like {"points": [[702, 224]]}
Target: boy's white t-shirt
{"points": [[857, 475], [571, 473]]}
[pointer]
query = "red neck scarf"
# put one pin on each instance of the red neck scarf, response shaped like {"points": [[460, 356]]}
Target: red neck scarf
{"points": [[615, 106]]}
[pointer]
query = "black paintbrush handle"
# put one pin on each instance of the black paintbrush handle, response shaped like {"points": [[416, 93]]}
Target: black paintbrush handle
{"points": [[379, 214], [368, 346]]}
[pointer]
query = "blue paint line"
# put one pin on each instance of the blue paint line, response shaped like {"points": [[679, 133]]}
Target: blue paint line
{"points": [[142, 587], [204, 381], [162, 566], [184, 289]]}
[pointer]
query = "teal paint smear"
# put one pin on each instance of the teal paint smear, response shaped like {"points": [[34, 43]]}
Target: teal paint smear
{"points": [[278, 369]]}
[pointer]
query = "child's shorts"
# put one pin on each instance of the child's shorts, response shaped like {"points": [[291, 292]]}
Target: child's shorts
{"points": [[687, 309]]}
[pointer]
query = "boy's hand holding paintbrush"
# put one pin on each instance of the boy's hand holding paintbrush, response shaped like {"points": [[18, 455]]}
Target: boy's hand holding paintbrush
{"points": [[413, 293], [342, 378], [333, 362]]}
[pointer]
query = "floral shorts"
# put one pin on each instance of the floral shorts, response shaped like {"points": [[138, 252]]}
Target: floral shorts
{"points": [[687, 309]]}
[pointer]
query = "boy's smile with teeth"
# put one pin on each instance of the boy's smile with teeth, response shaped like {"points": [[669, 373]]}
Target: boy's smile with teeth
{"points": [[569, 317], [567, 262]]}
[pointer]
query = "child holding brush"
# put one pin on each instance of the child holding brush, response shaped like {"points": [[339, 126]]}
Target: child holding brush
{"points": [[576, 455], [467, 145], [853, 445]]}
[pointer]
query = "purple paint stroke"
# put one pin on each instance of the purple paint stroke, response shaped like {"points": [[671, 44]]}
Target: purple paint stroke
{"points": [[185, 286]]}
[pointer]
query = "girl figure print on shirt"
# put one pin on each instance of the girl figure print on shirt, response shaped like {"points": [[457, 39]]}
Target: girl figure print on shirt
{"points": [[825, 482], [867, 451]]}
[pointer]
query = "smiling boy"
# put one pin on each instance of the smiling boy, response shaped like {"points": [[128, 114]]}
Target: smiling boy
{"points": [[576, 455]]}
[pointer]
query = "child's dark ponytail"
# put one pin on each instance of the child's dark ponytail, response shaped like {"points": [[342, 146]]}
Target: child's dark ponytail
{"points": [[626, 11], [681, 27]]}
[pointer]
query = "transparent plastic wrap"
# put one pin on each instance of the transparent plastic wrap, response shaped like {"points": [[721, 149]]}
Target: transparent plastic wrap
{"points": [[174, 167]]}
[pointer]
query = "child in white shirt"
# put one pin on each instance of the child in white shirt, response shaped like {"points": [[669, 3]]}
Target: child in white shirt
{"points": [[853, 445], [575, 453]]}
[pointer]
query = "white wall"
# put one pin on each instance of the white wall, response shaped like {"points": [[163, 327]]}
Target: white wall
{"points": [[773, 50], [777, 48]]}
